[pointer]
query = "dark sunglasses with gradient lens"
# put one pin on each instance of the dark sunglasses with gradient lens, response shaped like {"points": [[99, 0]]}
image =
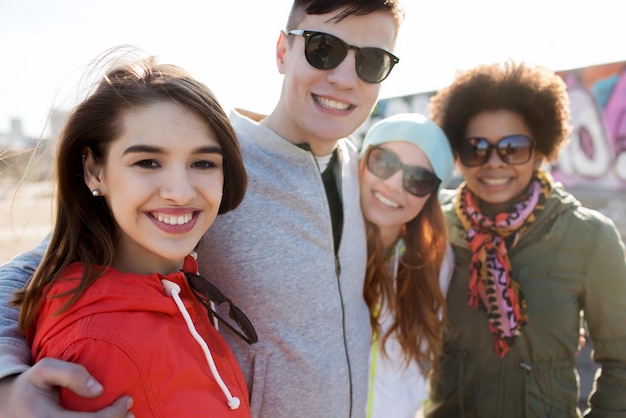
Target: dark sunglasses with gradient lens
{"points": [[325, 52], [206, 291], [416, 180], [512, 149]]}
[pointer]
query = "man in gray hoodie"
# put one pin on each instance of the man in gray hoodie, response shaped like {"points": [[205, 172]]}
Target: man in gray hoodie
{"points": [[293, 254]]}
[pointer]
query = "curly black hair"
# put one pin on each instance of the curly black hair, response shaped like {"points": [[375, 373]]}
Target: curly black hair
{"points": [[534, 92]]}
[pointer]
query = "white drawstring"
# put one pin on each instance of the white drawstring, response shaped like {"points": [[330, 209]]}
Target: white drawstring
{"points": [[172, 289]]}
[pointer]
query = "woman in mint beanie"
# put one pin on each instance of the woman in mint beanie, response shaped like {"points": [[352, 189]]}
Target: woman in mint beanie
{"points": [[405, 160]]}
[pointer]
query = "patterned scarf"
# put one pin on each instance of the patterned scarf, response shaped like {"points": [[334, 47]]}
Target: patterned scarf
{"points": [[491, 286]]}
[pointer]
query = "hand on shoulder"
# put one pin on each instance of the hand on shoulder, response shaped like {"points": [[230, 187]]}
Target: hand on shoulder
{"points": [[34, 393]]}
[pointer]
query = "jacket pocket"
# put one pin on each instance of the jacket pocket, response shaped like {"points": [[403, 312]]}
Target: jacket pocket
{"points": [[552, 390]]}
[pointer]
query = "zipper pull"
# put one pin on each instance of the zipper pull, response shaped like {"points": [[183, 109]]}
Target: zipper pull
{"points": [[337, 266]]}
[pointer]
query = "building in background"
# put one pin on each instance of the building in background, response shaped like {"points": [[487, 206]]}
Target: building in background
{"points": [[15, 151], [25, 158]]}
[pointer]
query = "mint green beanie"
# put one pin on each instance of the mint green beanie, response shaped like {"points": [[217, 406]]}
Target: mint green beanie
{"points": [[416, 129]]}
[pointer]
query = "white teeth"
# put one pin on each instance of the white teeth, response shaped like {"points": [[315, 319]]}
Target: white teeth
{"points": [[173, 220], [382, 199], [495, 182], [332, 104]]}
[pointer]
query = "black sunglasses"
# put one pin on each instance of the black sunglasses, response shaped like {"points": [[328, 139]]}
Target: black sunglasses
{"points": [[512, 149], [206, 291], [325, 52], [416, 180]]}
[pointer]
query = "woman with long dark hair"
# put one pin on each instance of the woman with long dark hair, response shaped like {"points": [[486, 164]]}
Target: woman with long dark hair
{"points": [[143, 167]]}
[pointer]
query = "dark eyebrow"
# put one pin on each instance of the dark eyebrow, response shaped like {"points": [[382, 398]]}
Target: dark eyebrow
{"points": [[142, 148], [213, 149]]}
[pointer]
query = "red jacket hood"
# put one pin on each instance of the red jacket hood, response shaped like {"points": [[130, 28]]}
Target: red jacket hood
{"points": [[126, 292]]}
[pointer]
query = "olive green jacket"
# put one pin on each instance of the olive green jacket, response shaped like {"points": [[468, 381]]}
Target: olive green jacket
{"points": [[571, 260]]}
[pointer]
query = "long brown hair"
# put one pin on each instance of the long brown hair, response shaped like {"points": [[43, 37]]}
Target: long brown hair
{"points": [[84, 229], [414, 299]]}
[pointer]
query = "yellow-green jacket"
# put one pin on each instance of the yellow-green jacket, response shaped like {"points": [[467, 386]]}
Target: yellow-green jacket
{"points": [[571, 260]]}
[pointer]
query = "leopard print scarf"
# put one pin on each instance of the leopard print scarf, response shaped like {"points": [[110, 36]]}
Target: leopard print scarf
{"points": [[491, 285]]}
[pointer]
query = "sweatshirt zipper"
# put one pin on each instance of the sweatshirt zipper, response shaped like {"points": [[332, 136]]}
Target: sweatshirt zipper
{"points": [[343, 327], [306, 147]]}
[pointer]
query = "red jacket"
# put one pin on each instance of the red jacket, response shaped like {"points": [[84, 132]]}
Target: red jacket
{"points": [[134, 340]]}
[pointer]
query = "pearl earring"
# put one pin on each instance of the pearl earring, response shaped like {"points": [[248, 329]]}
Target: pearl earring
{"points": [[96, 192]]}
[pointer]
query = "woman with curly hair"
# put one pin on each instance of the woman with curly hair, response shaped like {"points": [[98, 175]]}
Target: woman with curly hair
{"points": [[531, 263]]}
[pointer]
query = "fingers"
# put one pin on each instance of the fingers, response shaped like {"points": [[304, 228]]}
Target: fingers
{"points": [[49, 373], [36, 392], [118, 409]]}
